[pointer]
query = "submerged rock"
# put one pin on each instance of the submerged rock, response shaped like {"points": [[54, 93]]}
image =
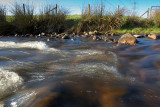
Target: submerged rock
{"points": [[127, 39], [152, 36]]}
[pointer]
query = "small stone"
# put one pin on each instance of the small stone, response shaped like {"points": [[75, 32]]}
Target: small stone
{"points": [[115, 40], [84, 36], [48, 40], [152, 36], [138, 36], [112, 34], [15, 35], [94, 37], [72, 39], [43, 34], [85, 33], [65, 37], [107, 39], [91, 33]]}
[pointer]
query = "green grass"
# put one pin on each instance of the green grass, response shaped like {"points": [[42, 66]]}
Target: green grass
{"points": [[10, 18], [74, 17], [139, 30]]}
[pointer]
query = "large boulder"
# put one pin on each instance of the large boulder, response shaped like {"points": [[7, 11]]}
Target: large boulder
{"points": [[127, 39], [152, 36]]}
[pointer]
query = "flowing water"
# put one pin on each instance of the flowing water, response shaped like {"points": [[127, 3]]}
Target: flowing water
{"points": [[80, 73]]}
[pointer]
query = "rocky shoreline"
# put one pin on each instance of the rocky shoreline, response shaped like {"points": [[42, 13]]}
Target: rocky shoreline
{"points": [[119, 39]]}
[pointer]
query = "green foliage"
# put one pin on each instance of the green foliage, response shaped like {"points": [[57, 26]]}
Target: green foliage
{"points": [[2, 19], [24, 19], [97, 20], [133, 21], [157, 18], [5, 27], [52, 21]]}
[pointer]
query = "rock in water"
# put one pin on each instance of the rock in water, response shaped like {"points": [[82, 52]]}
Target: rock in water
{"points": [[152, 36], [96, 38], [127, 39], [65, 37], [91, 33], [138, 36]]}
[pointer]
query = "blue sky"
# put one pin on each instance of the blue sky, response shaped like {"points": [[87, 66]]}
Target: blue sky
{"points": [[75, 6]]}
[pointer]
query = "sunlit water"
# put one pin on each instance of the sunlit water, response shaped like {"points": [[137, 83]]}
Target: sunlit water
{"points": [[80, 73]]}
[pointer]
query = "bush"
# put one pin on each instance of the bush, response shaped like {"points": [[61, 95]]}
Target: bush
{"points": [[24, 20], [5, 27], [98, 21], [2, 19], [114, 20], [90, 21], [133, 21], [149, 22], [157, 18], [49, 22]]}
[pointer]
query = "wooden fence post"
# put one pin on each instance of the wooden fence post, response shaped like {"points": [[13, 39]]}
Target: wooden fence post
{"points": [[56, 9], [24, 10], [101, 10], [148, 13], [118, 8], [89, 9]]}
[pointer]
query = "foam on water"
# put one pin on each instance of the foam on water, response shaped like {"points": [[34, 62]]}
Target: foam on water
{"points": [[9, 81], [31, 45]]}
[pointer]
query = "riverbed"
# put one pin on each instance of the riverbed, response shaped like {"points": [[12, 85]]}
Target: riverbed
{"points": [[79, 73]]}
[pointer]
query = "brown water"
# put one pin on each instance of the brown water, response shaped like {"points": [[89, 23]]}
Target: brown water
{"points": [[80, 73]]}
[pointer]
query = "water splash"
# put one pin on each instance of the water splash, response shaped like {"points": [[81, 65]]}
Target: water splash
{"points": [[9, 81], [39, 45]]}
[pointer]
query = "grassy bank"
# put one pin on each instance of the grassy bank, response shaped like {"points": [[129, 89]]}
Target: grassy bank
{"points": [[72, 21], [138, 30]]}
